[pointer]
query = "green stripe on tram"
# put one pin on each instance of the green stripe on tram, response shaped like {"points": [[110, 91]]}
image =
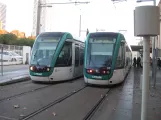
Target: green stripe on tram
{"points": [[114, 58], [57, 52], [115, 55]]}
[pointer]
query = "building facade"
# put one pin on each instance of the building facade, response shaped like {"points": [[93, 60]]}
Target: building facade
{"points": [[2, 16]]}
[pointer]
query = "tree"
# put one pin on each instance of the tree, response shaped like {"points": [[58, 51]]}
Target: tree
{"points": [[32, 37], [12, 39], [8, 38], [3, 32], [16, 32], [21, 35], [25, 41]]}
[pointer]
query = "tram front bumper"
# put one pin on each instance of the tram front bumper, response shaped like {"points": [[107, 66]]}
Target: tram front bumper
{"points": [[38, 78], [96, 82]]}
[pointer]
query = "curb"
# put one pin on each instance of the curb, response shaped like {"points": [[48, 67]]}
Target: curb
{"points": [[14, 80]]}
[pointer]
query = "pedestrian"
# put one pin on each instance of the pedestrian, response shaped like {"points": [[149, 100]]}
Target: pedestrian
{"points": [[138, 61], [134, 62]]}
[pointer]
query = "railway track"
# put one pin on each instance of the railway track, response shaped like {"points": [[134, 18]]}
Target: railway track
{"points": [[89, 115], [59, 100], [34, 90], [52, 103]]}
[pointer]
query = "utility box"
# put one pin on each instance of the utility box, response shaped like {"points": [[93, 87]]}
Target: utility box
{"points": [[146, 21]]}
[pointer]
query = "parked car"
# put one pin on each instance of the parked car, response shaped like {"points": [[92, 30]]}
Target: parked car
{"points": [[10, 56]]}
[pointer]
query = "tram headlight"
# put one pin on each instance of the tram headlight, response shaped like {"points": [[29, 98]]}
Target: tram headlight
{"points": [[89, 71], [48, 69], [31, 68], [105, 71]]}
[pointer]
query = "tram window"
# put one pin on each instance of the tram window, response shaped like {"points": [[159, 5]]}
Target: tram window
{"points": [[81, 56], [65, 57], [120, 57], [76, 56]]}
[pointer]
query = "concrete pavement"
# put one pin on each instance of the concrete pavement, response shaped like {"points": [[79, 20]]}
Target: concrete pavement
{"points": [[125, 102], [11, 68], [14, 73]]}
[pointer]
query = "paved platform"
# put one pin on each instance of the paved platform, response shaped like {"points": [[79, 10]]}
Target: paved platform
{"points": [[14, 76], [11, 68], [125, 102], [129, 106], [154, 103]]}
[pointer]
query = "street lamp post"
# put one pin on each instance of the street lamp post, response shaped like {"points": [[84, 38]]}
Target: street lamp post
{"points": [[80, 20]]}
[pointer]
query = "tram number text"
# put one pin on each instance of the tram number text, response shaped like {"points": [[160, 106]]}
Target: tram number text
{"points": [[97, 77]]}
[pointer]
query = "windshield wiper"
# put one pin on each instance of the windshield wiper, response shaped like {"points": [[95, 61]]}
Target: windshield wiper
{"points": [[109, 63], [35, 56]]}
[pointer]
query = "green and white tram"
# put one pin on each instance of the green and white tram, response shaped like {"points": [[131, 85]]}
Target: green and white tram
{"points": [[56, 56], [108, 58]]}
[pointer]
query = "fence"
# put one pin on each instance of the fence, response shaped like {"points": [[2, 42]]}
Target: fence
{"points": [[13, 48], [13, 55]]}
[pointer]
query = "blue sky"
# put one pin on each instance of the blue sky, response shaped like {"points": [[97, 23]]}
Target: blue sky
{"points": [[101, 14]]}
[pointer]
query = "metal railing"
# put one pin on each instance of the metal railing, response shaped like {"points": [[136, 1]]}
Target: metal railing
{"points": [[7, 53]]}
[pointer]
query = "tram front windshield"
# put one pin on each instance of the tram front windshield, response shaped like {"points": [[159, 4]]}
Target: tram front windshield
{"points": [[44, 50], [100, 52]]}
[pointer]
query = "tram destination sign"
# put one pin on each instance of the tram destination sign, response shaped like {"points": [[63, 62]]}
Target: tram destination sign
{"points": [[50, 39], [102, 40]]}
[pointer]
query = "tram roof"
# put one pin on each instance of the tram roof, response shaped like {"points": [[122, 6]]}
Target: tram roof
{"points": [[59, 34], [97, 34], [54, 34]]}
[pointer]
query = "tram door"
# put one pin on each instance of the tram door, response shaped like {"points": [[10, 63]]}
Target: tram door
{"points": [[76, 64]]}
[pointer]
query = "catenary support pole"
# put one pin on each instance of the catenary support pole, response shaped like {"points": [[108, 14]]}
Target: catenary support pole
{"points": [[80, 22]]}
